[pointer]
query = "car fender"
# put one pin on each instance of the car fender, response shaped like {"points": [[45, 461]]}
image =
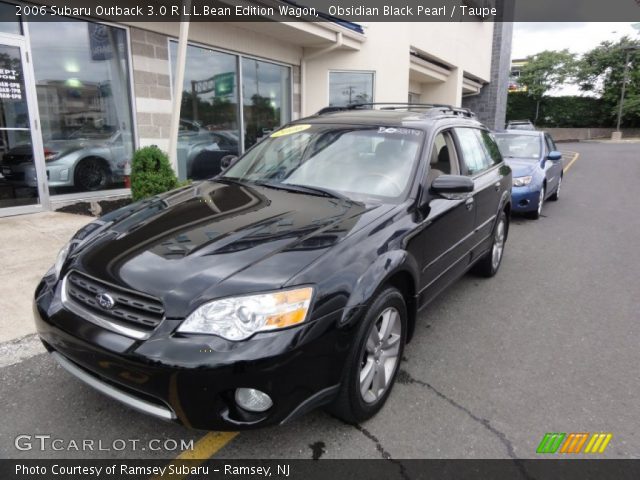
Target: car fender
{"points": [[379, 272]]}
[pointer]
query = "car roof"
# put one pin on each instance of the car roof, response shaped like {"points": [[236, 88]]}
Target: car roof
{"points": [[519, 132], [422, 118]]}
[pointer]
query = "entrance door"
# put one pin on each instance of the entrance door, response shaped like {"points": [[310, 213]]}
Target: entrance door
{"points": [[23, 186]]}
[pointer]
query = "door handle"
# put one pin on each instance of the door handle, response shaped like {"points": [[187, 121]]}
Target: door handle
{"points": [[496, 186], [469, 203]]}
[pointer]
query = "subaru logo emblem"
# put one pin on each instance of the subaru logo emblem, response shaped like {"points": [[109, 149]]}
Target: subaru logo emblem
{"points": [[105, 300]]}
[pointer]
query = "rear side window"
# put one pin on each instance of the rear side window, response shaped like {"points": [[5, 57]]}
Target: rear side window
{"points": [[475, 158]]}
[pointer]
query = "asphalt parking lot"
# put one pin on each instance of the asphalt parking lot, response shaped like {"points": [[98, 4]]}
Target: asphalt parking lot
{"points": [[551, 344]]}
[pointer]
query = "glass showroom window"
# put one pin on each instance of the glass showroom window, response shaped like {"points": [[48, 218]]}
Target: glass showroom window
{"points": [[266, 98], [82, 85], [209, 118], [350, 87]]}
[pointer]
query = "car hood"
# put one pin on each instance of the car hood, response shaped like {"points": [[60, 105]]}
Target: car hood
{"points": [[521, 167], [215, 239]]}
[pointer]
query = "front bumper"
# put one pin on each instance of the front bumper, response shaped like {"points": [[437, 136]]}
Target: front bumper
{"points": [[524, 199], [192, 379]]}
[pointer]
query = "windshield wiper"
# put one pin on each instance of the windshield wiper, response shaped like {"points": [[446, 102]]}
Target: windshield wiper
{"points": [[293, 187]]}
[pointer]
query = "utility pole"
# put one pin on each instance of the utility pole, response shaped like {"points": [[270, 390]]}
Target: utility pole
{"points": [[624, 87], [617, 135]]}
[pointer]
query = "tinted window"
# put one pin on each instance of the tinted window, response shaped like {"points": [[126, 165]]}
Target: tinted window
{"points": [[440, 162], [490, 146], [474, 158]]}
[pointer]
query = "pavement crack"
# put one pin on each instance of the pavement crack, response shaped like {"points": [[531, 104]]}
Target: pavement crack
{"points": [[378, 444], [406, 378]]}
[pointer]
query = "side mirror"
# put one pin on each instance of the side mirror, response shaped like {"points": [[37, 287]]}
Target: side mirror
{"points": [[554, 155], [227, 161], [451, 184]]}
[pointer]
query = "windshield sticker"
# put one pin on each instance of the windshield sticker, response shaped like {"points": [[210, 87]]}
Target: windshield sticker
{"points": [[399, 131], [289, 130]]}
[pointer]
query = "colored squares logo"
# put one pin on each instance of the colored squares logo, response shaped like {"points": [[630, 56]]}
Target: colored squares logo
{"points": [[574, 443]]}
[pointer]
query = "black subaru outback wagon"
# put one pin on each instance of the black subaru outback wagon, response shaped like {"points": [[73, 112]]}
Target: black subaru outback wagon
{"points": [[290, 281]]}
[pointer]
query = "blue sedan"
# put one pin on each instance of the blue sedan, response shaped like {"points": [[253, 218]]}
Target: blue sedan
{"points": [[537, 169]]}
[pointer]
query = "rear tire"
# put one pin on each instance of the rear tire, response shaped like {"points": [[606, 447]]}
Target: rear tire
{"points": [[490, 263], [372, 366]]}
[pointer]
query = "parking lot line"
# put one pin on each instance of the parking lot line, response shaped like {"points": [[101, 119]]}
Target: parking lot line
{"points": [[203, 449], [575, 157]]}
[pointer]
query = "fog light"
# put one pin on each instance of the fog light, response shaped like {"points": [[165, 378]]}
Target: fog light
{"points": [[253, 400], [64, 175]]}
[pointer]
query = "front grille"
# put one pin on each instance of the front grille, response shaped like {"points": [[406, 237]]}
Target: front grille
{"points": [[131, 308]]}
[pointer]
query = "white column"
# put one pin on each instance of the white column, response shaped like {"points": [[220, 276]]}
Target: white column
{"points": [[177, 87]]}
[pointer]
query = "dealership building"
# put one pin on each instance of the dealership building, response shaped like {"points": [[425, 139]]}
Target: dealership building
{"points": [[78, 95]]}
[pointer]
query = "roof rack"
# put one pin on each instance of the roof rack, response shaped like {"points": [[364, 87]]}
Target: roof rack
{"points": [[433, 108]]}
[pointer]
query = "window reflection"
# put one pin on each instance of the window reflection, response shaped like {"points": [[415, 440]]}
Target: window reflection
{"points": [[209, 123], [82, 77], [266, 97], [346, 88]]}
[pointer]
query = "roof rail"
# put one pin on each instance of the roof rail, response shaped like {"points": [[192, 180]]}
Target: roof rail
{"points": [[435, 108]]}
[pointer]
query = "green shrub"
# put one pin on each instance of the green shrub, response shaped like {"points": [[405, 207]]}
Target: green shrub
{"points": [[151, 173]]}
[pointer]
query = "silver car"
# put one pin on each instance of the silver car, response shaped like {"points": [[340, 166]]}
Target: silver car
{"points": [[89, 159]]}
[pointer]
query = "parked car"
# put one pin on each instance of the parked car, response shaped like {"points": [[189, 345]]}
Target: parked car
{"points": [[88, 159], [201, 150], [537, 169], [291, 281], [520, 125]]}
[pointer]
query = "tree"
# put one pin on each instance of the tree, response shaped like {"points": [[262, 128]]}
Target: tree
{"points": [[601, 72], [545, 71]]}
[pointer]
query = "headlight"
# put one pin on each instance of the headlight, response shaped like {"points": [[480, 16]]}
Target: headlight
{"points": [[62, 256], [237, 318], [522, 181]]}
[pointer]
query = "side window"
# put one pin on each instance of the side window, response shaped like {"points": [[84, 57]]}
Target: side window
{"points": [[490, 147], [474, 159], [440, 156], [443, 158], [550, 144]]}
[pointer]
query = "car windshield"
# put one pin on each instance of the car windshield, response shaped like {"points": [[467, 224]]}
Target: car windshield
{"points": [[520, 146], [359, 162]]}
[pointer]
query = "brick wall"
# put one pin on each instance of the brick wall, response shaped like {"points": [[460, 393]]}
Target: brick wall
{"points": [[490, 105], [152, 85]]}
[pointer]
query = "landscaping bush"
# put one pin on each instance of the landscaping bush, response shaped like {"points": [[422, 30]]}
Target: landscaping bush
{"points": [[151, 173]]}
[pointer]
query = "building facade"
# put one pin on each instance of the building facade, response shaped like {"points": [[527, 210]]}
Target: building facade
{"points": [[79, 96]]}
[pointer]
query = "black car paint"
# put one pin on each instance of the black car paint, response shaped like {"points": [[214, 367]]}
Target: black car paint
{"points": [[217, 238]]}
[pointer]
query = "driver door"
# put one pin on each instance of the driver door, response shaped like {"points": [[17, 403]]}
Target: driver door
{"points": [[446, 233]]}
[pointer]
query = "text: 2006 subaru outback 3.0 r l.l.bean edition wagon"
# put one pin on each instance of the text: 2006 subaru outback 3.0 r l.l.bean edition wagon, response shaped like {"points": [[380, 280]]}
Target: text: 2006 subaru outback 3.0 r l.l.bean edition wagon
{"points": [[291, 281]]}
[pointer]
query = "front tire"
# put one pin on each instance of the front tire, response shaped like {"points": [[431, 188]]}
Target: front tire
{"points": [[556, 195], [489, 265], [91, 174], [535, 215], [373, 364]]}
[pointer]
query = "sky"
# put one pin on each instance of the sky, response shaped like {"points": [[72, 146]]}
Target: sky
{"points": [[578, 37]]}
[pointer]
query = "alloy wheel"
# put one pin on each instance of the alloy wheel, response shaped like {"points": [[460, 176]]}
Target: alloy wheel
{"points": [[380, 356], [540, 201], [498, 245]]}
